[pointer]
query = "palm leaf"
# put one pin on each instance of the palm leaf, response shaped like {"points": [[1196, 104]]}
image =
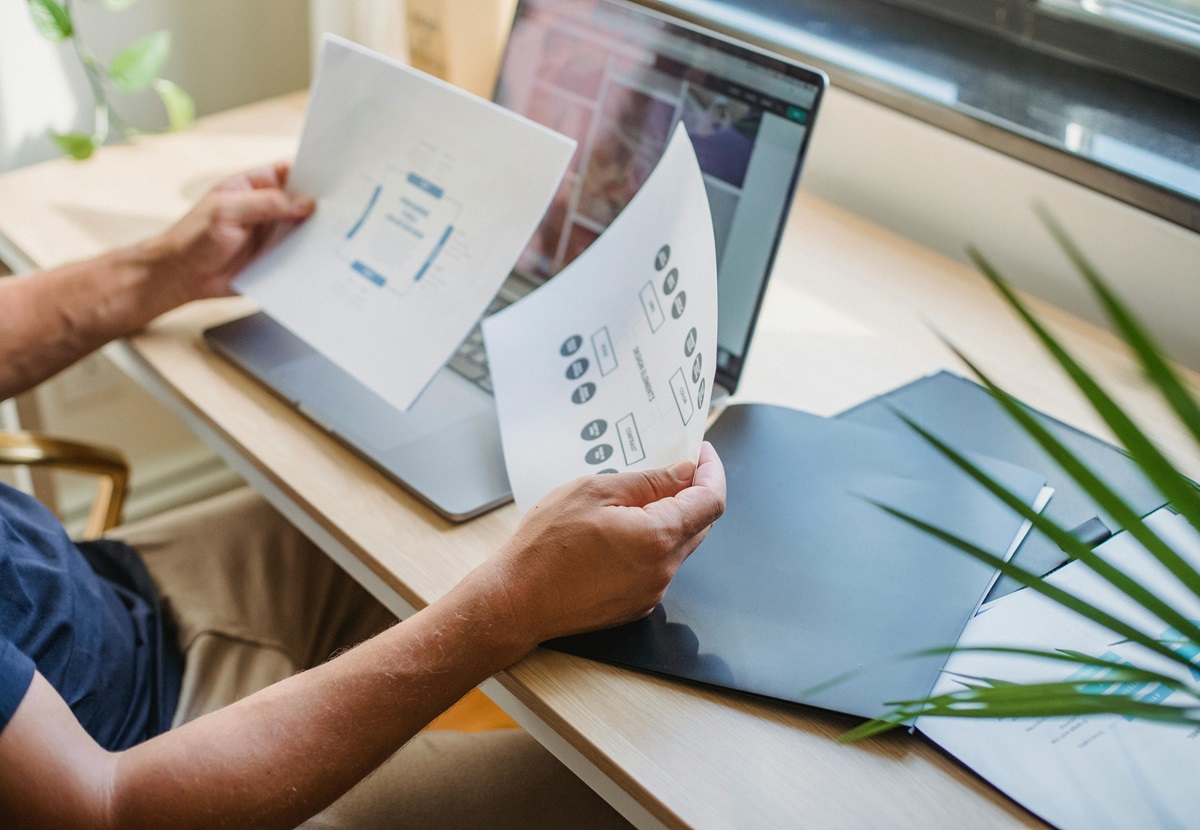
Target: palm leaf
{"points": [[997, 698], [1036, 583], [1135, 673], [1104, 496], [1176, 487], [1156, 368], [989, 698], [1068, 542]]}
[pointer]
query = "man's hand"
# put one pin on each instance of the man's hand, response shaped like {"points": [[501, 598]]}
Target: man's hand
{"points": [[51, 319], [594, 553], [229, 227], [601, 550]]}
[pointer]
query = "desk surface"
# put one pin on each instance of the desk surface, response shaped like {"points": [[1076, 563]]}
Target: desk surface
{"points": [[851, 312]]}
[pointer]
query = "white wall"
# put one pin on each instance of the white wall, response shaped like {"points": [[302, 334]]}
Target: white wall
{"points": [[946, 192], [225, 53]]}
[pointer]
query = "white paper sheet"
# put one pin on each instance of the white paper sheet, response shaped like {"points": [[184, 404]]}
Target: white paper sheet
{"points": [[609, 366], [426, 197], [1083, 772]]}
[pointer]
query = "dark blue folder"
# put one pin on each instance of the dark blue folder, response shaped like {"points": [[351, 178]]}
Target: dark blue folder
{"points": [[965, 415], [806, 590]]}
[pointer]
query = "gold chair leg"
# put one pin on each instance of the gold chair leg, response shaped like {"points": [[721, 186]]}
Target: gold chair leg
{"points": [[34, 450]]}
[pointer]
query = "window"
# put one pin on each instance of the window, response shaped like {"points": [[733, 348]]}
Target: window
{"points": [[1154, 41], [1176, 21]]}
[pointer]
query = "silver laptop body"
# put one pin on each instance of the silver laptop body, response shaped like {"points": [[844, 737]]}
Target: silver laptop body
{"points": [[617, 78]]}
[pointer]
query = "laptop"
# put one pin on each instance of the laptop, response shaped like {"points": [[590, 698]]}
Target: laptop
{"points": [[618, 78]]}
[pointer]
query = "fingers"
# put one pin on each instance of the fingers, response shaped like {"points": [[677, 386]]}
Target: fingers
{"points": [[693, 509], [711, 471], [648, 486], [256, 207], [283, 169], [261, 178]]}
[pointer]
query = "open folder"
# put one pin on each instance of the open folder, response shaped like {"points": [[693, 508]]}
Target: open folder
{"points": [[807, 590]]}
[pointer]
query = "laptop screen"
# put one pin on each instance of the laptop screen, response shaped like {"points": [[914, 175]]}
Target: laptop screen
{"points": [[618, 78]]}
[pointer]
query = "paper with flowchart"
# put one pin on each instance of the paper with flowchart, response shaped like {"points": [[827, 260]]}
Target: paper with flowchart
{"points": [[609, 366], [426, 197], [1085, 771]]}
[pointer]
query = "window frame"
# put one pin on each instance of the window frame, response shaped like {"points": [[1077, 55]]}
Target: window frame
{"points": [[919, 63], [1062, 28]]}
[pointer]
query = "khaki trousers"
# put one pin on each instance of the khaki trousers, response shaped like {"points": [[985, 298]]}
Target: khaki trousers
{"points": [[256, 602]]}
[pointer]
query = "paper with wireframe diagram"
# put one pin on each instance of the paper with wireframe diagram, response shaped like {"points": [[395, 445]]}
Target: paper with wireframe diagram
{"points": [[426, 196], [608, 367]]}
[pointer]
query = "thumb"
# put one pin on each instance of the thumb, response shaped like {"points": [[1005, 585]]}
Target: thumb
{"points": [[255, 207], [648, 486]]}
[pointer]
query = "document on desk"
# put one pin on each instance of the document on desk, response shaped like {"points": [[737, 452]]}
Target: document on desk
{"points": [[426, 196], [608, 367], [1094, 771]]}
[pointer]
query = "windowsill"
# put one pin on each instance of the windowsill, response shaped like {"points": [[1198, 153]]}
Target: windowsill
{"points": [[1121, 138]]}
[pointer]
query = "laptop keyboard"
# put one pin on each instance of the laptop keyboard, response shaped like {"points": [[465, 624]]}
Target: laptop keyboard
{"points": [[470, 360]]}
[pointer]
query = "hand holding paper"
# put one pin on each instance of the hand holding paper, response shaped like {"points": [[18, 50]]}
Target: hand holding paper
{"points": [[609, 366], [427, 196]]}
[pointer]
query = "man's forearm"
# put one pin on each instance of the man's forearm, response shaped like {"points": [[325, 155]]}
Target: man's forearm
{"points": [[283, 754], [51, 319]]}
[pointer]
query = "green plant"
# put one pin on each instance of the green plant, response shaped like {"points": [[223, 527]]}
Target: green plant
{"points": [[993, 698], [134, 69]]}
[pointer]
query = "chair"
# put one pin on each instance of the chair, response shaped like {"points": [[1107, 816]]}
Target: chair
{"points": [[31, 449]]}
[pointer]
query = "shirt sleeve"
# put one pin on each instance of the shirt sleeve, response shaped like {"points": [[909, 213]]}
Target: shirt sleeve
{"points": [[16, 673]]}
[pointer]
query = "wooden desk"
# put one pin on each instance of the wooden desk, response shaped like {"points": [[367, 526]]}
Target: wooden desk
{"points": [[848, 315]]}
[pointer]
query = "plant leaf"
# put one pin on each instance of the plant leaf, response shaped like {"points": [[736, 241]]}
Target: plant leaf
{"points": [[1100, 492], [76, 145], [1066, 656], [1157, 369], [51, 19], [181, 109], [1063, 538], [1029, 700], [1178, 490], [1052, 592], [136, 66]]}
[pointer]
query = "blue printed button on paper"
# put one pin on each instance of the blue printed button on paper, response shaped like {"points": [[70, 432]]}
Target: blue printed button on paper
{"points": [[607, 472], [678, 305], [700, 395], [599, 454], [577, 369], [664, 256], [571, 345], [696, 369], [594, 430], [671, 280], [689, 343], [584, 393]]}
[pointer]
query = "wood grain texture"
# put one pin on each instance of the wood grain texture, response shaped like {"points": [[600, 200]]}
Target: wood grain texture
{"points": [[851, 312]]}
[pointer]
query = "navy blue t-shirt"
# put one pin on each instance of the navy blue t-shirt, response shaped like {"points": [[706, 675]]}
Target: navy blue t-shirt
{"points": [[88, 618]]}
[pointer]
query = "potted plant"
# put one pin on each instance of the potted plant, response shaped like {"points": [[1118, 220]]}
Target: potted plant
{"points": [[136, 68]]}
